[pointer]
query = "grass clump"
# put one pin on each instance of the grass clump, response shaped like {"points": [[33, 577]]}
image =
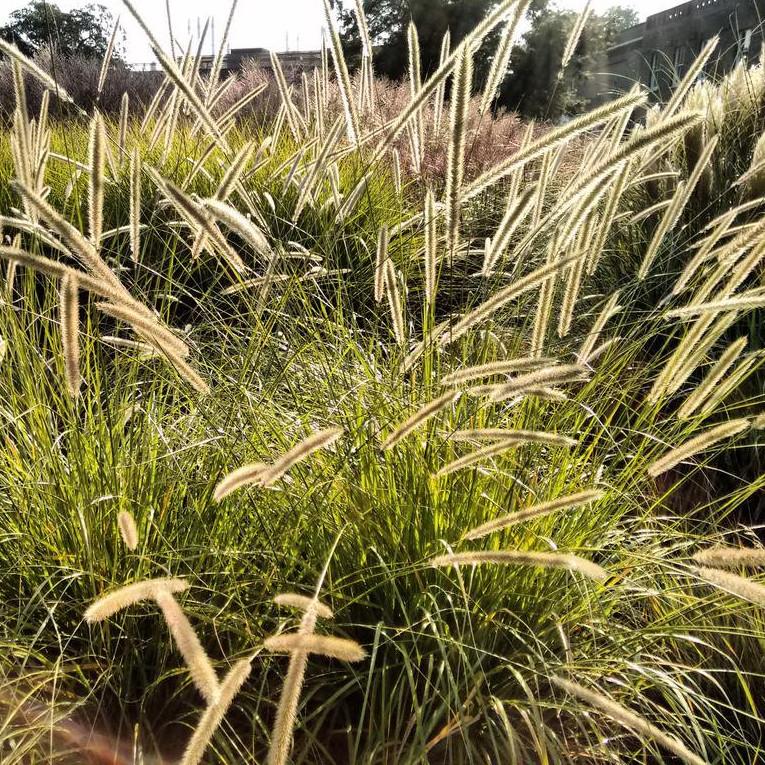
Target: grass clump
{"points": [[212, 291]]}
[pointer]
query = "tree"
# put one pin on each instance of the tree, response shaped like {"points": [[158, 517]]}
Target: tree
{"points": [[536, 87], [81, 32], [389, 19]]}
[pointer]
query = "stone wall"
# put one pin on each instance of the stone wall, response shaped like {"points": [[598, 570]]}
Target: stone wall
{"points": [[659, 51]]}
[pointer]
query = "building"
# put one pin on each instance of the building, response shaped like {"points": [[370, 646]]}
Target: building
{"points": [[292, 61], [657, 52]]}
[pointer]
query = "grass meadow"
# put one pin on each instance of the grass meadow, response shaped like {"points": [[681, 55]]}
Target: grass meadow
{"points": [[340, 435]]}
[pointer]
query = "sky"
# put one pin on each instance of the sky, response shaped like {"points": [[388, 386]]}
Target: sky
{"points": [[274, 24]]}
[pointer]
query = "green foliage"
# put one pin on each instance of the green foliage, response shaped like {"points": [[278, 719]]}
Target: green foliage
{"points": [[463, 663], [80, 32], [389, 19], [537, 87]]}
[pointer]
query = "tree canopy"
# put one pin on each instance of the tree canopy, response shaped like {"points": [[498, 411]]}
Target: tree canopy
{"points": [[536, 87], [388, 22], [533, 85], [81, 32]]}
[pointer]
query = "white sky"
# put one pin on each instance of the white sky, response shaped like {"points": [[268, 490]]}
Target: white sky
{"points": [[271, 24]]}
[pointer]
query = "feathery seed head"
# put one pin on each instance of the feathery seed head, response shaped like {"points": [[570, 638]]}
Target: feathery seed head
{"points": [[740, 586], [303, 603], [128, 530], [421, 416], [535, 511], [197, 661], [629, 719], [523, 558], [731, 557], [332, 647], [700, 443], [116, 601]]}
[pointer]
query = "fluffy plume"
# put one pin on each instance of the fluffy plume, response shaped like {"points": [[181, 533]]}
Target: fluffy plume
{"points": [[496, 368], [164, 341], [417, 133], [676, 207], [610, 211], [523, 558], [234, 171], [318, 167], [689, 353], [487, 452], [455, 160], [123, 126], [731, 557], [265, 475], [395, 302], [545, 302], [332, 647], [680, 91], [629, 719], [696, 445], [610, 309], [107, 58], [343, 78], [57, 270], [471, 41], [361, 22], [729, 384], [553, 139], [135, 205], [213, 78], [319, 440], [284, 724], [562, 373], [438, 101], [181, 83], [508, 435], [126, 596], [80, 246], [396, 170], [239, 223], [200, 667], [380, 261], [350, 202], [573, 279], [515, 212], [160, 336], [502, 56], [740, 586], [590, 183], [705, 248], [97, 153], [709, 384], [214, 713], [286, 713], [501, 298], [69, 307], [575, 35], [419, 417], [290, 110], [303, 603], [243, 476], [128, 530], [431, 246], [535, 511], [198, 219], [748, 301]]}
